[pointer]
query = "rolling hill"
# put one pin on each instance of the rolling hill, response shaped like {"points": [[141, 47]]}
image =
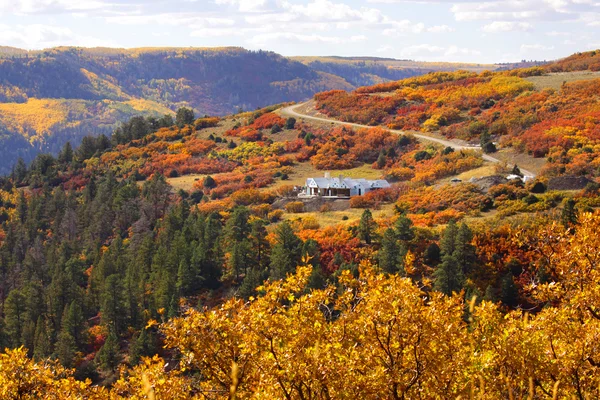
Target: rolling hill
{"points": [[52, 96]]}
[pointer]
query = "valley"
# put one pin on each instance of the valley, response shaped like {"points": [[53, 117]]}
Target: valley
{"points": [[170, 256]]}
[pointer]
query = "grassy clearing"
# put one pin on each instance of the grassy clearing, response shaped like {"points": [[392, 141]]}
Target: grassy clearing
{"points": [[525, 161], [486, 170], [185, 182], [555, 80], [332, 218]]}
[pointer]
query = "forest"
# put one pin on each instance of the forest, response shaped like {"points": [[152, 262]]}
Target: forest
{"points": [[115, 284]]}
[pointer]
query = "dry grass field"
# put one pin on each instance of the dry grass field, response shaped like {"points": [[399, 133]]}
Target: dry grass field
{"points": [[555, 80], [332, 218]]}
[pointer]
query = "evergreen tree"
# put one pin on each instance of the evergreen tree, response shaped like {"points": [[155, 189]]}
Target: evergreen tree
{"points": [[286, 253], [236, 231], [448, 276], [14, 316], [108, 356], [66, 154], [185, 279], [389, 254], [448, 241], [568, 216], [404, 228], [141, 346], [185, 116], [42, 345], [490, 294], [259, 245], [19, 172], [509, 293], [253, 279], [381, 160], [366, 227], [114, 308], [464, 251], [516, 170], [432, 254], [290, 123], [66, 348]]}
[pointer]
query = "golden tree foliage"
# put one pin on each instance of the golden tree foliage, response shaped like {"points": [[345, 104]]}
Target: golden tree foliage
{"points": [[372, 337]]}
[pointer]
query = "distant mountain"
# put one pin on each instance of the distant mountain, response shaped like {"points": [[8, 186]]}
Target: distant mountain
{"points": [[52, 96], [366, 71]]}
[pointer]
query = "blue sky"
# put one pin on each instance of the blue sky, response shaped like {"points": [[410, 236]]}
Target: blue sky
{"points": [[429, 30]]}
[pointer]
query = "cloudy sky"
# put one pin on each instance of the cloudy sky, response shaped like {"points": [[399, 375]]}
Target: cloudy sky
{"points": [[431, 30]]}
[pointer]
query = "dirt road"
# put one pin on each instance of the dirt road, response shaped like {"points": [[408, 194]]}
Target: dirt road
{"points": [[292, 111]]}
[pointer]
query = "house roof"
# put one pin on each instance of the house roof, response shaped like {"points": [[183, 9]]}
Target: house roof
{"points": [[346, 183]]}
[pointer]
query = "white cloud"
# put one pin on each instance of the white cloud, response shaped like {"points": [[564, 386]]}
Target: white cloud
{"points": [[507, 26], [404, 27], [440, 29], [430, 52], [38, 36], [265, 39], [530, 10], [50, 7], [526, 48], [178, 19], [246, 5], [384, 49]]}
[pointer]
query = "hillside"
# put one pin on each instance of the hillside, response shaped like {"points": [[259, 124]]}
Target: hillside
{"points": [[366, 71], [81, 91], [78, 91], [174, 257]]}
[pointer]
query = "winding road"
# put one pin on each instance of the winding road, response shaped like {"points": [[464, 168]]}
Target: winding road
{"points": [[292, 111]]}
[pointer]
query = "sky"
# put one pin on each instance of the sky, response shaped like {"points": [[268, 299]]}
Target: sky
{"points": [[426, 30]]}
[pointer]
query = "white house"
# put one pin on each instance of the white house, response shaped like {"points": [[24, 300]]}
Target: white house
{"points": [[340, 187]]}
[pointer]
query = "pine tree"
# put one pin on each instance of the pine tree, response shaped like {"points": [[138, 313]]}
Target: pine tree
{"points": [[568, 216], [448, 241], [381, 160], [19, 172], [366, 227], [432, 254], [490, 294], [65, 348], [185, 279], [286, 253], [404, 228], [66, 154], [448, 276], [389, 254], [42, 345], [253, 279], [259, 245], [14, 316], [464, 251], [185, 116], [509, 293], [290, 123], [114, 308], [73, 322], [142, 346], [108, 356]]}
